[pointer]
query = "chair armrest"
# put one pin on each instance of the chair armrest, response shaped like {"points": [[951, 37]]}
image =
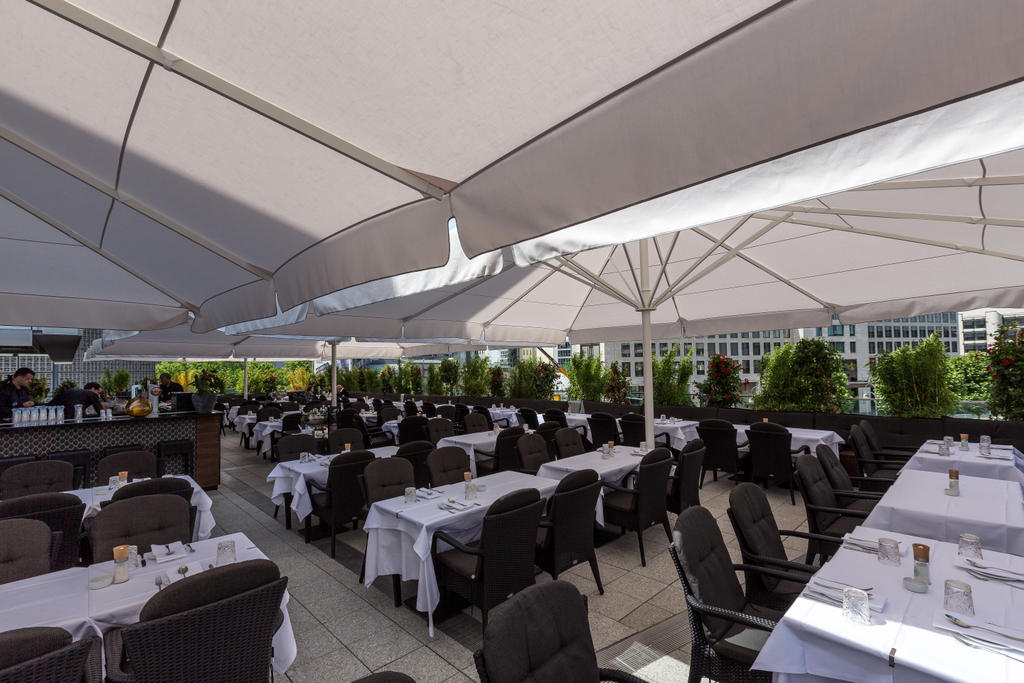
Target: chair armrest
{"points": [[768, 571], [786, 564], [872, 480], [624, 489], [582, 429], [812, 537], [113, 648], [458, 545], [546, 523], [803, 449], [729, 615], [863, 495], [859, 514], [744, 444]]}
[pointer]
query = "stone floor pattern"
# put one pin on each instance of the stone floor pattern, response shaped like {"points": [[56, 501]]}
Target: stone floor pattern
{"points": [[345, 630]]}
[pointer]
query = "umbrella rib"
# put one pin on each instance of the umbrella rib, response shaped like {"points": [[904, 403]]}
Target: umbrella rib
{"points": [[118, 36], [518, 298], [52, 222], [632, 271], [705, 256], [664, 263], [596, 281], [943, 183], [97, 184], [905, 215], [725, 258], [588, 283], [981, 203], [579, 310], [458, 292]]}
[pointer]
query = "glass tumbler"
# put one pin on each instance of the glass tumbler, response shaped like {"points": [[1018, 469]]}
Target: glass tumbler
{"points": [[957, 598], [948, 440], [969, 546], [856, 606], [225, 553], [985, 444], [889, 551]]}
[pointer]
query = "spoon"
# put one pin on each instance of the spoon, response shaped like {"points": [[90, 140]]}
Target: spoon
{"points": [[979, 565], [983, 577], [963, 624], [159, 582], [183, 570]]}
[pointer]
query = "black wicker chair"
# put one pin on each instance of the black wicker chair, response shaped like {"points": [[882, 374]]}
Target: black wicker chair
{"points": [[416, 452], [880, 449], [489, 571], [771, 455], [604, 428], [482, 410], [472, 423], [290, 425], [151, 487], [542, 634], [377, 404], [214, 626], [825, 515], [879, 469], [26, 549], [506, 456], [841, 480], [141, 521], [341, 502], [37, 476], [719, 437], [568, 442], [727, 631], [382, 479], [138, 464], [566, 533], [547, 431], [683, 488], [761, 544], [60, 512], [439, 428], [533, 452], [410, 409], [448, 465], [41, 654], [445, 411], [556, 415], [644, 505], [429, 409], [459, 417], [528, 417], [337, 439], [372, 437], [415, 428], [387, 412], [81, 460], [634, 431]]}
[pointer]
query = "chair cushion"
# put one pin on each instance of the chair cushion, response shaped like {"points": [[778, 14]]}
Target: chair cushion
{"points": [[743, 644], [210, 586], [321, 500], [24, 549], [40, 476], [620, 500], [842, 526], [860, 504], [23, 644], [458, 562]]}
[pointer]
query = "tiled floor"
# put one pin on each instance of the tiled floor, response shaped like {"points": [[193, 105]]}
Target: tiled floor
{"points": [[345, 630]]}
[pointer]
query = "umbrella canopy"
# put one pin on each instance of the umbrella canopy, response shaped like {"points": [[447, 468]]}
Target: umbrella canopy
{"points": [[233, 155]]}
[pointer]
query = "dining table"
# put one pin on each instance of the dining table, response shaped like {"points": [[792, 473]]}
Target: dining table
{"points": [[917, 503], [290, 480], [908, 639], [399, 534], [478, 445], [64, 598], [1000, 462], [611, 469], [263, 431]]}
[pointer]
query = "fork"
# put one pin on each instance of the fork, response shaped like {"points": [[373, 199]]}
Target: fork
{"points": [[963, 624], [988, 577], [848, 585], [985, 645], [979, 565]]}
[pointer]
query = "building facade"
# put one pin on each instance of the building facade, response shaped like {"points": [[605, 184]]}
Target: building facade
{"points": [[978, 327]]}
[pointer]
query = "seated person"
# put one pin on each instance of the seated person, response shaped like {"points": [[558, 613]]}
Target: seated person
{"points": [[88, 396]]}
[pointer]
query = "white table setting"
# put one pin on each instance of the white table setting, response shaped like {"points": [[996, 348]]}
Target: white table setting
{"points": [[484, 441], [909, 637], [503, 413], [263, 430], [83, 600], [290, 479], [999, 462], [242, 422], [93, 497], [612, 470], [399, 534], [917, 504]]}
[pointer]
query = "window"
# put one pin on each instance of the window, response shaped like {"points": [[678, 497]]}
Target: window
{"points": [[638, 369], [638, 350], [853, 329], [777, 344], [744, 335], [871, 348], [777, 333], [700, 367], [871, 331], [757, 366], [888, 330], [625, 369], [624, 350], [853, 347], [686, 347], [835, 331], [888, 346], [745, 348], [838, 346], [787, 333], [663, 348], [746, 366], [955, 344], [675, 347], [757, 349], [734, 349], [700, 351], [817, 331], [733, 335], [756, 335]]}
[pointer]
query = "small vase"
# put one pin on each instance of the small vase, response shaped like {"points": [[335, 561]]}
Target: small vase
{"points": [[203, 403]]}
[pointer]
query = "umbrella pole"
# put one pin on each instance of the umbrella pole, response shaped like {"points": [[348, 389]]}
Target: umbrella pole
{"points": [[245, 378], [648, 362], [334, 374]]}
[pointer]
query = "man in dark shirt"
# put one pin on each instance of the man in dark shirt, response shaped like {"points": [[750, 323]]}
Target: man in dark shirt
{"points": [[167, 387], [87, 396], [14, 392]]}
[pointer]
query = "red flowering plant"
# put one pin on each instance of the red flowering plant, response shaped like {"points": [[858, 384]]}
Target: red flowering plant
{"points": [[617, 389], [722, 387], [497, 381], [208, 381], [270, 383], [1006, 397]]}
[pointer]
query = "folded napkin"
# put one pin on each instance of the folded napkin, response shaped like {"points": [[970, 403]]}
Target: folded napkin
{"points": [[866, 543], [177, 551], [427, 493], [455, 505], [941, 622], [997, 456], [1002, 447], [172, 575], [998, 568], [876, 603]]}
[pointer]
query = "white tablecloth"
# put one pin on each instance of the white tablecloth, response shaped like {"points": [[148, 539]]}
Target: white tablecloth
{"points": [[990, 508], [63, 598], [970, 462], [262, 431], [242, 422], [204, 506], [505, 414], [292, 476], [470, 443], [814, 642], [399, 535], [624, 460], [229, 416]]}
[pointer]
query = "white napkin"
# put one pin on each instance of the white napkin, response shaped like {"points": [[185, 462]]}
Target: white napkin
{"points": [[456, 505], [427, 493], [940, 621], [172, 575], [178, 551], [875, 603], [998, 568], [871, 544]]}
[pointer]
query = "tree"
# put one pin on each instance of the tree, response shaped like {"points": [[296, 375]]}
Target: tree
{"points": [[807, 376], [617, 388], [435, 386], [369, 381], [389, 380], [531, 378], [449, 373], [671, 379], [475, 376], [1007, 368], [969, 376], [415, 379], [721, 389], [587, 378], [913, 381], [299, 375], [497, 381]]}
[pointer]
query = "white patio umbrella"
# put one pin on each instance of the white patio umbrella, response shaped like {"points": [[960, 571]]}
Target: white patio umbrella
{"points": [[233, 155]]}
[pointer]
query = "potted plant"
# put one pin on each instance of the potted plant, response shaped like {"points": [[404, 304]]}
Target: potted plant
{"points": [[1007, 367], [913, 381], [617, 390], [722, 387], [208, 384]]}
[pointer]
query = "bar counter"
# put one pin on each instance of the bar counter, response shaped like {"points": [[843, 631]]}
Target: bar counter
{"points": [[94, 435]]}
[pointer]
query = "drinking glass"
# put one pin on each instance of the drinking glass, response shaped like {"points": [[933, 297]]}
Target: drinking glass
{"points": [[16, 416], [643, 445], [985, 444], [948, 440], [856, 606], [889, 551], [944, 449], [225, 553], [969, 546], [410, 494], [113, 483], [957, 598]]}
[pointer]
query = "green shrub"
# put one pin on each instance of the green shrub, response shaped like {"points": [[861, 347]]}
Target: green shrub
{"points": [[1007, 367], [806, 376], [497, 381], [970, 377], [449, 373], [388, 380], [435, 386], [617, 387], [913, 381], [531, 378], [722, 387], [587, 378], [415, 378], [369, 381], [475, 377], [671, 378]]}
